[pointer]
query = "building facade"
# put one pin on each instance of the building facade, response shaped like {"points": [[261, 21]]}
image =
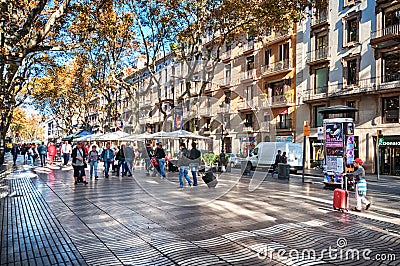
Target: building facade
{"points": [[352, 60]]}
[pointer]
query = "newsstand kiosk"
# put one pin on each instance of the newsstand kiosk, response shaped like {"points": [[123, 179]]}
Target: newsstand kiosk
{"points": [[338, 144]]}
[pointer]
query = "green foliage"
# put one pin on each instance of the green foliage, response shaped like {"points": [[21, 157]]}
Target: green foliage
{"points": [[210, 158]]}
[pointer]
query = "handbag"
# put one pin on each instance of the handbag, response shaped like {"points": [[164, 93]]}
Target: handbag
{"points": [[84, 165]]}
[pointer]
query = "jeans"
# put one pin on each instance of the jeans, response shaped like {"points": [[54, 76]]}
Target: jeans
{"points": [[183, 171], [42, 159], [31, 159], [66, 158], [161, 163], [15, 156], [193, 169], [106, 167], [129, 165], [126, 167], [361, 199], [93, 167]]}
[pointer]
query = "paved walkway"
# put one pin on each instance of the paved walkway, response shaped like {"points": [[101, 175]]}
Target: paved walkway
{"points": [[149, 221]]}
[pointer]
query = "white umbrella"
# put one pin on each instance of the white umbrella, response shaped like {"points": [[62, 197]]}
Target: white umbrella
{"points": [[112, 136], [185, 134], [94, 136], [134, 137]]}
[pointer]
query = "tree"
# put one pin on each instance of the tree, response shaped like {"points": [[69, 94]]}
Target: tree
{"points": [[25, 127], [105, 32], [29, 29], [64, 94]]}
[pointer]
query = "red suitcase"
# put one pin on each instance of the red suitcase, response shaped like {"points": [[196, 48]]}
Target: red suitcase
{"points": [[341, 199]]}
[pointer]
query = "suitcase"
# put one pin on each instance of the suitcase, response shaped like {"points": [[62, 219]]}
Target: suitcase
{"points": [[341, 199], [210, 179]]}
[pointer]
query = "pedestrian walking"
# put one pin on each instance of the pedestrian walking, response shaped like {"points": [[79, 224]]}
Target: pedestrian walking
{"points": [[159, 153], [93, 162], [129, 159], [107, 156], [183, 163], [51, 152], [147, 154], [15, 151], [78, 163], [122, 161], [195, 155], [361, 186], [66, 149], [42, 150]]}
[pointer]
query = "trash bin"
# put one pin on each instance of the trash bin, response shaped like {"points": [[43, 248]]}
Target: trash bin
{"points": [[245, 170], [283, 171]]}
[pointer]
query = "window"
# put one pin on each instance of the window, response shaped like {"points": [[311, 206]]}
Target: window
{"points": [[390, 109], [249, 93], [391, 66], [392, 18], [249, 120], [283, 52], [318, 117], [250, 63], [267, 57], [321, 80], [228, 95], [351, 29], [321, 45], [227, 73], [283, 120], [351, 69]]}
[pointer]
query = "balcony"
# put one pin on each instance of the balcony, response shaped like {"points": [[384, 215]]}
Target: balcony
{"points": [[245, 105], [281, 99], [226, 55], [248, 46], [386, 37], [224, 109], [205, 111], [226, 82], [278, 37], [276, 68], [317, 94], [248, 127], [249, 74], [317, 56], [265, 126], [319, 19], [390, 81]]}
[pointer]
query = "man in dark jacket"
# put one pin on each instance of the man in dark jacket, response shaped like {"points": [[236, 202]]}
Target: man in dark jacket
{"points": [[159, 153], [42, 150], [14, 151], [195, 155]]}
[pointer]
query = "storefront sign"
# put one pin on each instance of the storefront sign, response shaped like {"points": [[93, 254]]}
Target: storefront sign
{"points": [[389, 141], [284, 138], [333, 135]]}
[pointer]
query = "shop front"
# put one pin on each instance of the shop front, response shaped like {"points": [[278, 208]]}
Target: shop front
{"points": [[389, 155], [247, 144]]}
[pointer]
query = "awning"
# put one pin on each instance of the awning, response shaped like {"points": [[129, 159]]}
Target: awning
{"points": [[283, 112]]}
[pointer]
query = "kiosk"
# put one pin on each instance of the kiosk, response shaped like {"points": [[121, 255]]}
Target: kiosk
{"points": [[338, 144]]}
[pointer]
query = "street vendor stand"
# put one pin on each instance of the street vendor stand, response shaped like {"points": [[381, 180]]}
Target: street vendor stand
{"points": [[338, 144]]}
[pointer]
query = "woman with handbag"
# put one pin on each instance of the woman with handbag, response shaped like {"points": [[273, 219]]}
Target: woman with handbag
{"points": [[78, 163]]}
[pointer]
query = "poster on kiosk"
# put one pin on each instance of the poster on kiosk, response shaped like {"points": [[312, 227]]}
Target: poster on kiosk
{"points": [[339, 149]]}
